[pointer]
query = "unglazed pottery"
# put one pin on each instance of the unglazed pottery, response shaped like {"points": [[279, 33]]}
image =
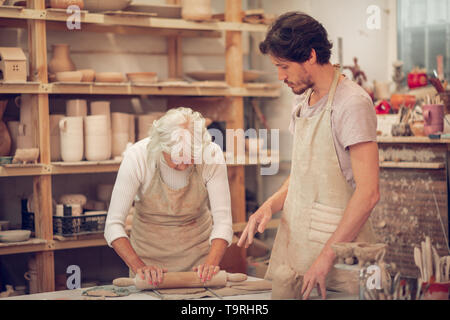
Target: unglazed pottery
{"points": [[197, 10], [72, 139], [433, 115], [15, 235], [367, 252], [69, 76], [88, 75], [145, 122], [63, 4], [26, 155], [109, 5], [97, 138], [55, 138], [61, 60], [119, 143], [76, 108], [120, 122], [109, 77], [143, 77]]}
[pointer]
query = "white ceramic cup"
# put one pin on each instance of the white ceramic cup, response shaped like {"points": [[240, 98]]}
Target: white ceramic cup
{"points": [[96, 125], [97, 147], [72, 139], [76, 108]]}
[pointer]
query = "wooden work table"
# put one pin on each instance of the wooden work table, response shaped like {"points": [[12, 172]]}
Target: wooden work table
{"points": [[414, 197]]}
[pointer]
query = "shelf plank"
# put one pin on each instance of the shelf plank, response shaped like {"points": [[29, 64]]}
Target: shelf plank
{"points": [[84, 241], [160, 89], [412, 165], [389, 139], [19, 170], [130, 20], [85, 167], [32, 245]]}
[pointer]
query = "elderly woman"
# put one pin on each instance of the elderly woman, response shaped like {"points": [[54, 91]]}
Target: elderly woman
{"points": [[183, 213]]}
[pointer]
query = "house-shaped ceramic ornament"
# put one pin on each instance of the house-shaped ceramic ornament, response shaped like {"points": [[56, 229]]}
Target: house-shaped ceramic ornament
{"points": [[13, 65]]}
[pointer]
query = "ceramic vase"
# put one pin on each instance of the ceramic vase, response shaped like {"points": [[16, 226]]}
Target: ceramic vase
{"points": [[433, 115], [197, 10], [61, 60]]}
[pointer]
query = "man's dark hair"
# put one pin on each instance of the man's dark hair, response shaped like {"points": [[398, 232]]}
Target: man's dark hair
{"points": [[293, 35]]}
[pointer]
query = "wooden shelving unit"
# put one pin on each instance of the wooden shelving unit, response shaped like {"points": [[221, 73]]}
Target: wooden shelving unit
{"points": [[37, 20]]}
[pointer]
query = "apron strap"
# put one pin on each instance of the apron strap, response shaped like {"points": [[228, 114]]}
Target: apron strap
{"points": [[332, 91]]}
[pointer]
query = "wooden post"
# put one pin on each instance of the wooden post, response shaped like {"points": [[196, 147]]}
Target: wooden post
{"points": [[175, 51], [42, 185], [234, 77]]}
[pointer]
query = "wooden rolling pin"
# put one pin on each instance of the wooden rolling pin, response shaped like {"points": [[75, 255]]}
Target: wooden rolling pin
{"points": [[182, 280]]}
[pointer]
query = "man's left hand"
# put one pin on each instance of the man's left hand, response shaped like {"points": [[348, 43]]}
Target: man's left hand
{"points": [[316, 276]]}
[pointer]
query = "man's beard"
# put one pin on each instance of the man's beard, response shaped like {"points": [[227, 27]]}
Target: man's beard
{"points": [[301, 90]]}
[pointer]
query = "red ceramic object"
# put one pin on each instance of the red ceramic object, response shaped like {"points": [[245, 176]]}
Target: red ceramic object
{"points": [[436, 291], [417, 80], [397, 100], [383, 107]]}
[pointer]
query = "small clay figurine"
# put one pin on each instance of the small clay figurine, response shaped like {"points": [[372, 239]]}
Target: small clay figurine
{"points": [[358, 75]]}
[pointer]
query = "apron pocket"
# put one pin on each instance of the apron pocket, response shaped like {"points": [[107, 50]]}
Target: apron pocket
{"points": [[324, 221]]}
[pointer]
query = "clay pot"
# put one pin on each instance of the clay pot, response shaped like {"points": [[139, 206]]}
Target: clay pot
{"points": [[63, 4], [72, 138], [88, 75], [417, 128], [398, 100], [433, 115], [76, 108], [60, 61], [196, 10], [69, 76]]}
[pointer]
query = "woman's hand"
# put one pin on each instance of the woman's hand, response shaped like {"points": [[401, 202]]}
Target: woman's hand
{"points": [[206, 271], [153, 274]]}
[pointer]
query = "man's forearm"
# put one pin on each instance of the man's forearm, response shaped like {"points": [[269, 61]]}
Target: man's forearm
{"points": [[123, 248], [276, 201]]}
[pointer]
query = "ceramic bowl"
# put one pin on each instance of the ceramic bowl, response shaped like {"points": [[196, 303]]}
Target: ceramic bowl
{"points": [[88, 75], [102, 5], [69, 76], [109, 77], [14, 235], [142, 77]]}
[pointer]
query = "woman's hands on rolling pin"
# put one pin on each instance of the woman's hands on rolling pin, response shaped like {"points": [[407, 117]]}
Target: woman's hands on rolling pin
{"points": [[153, 274], [206, 271]]}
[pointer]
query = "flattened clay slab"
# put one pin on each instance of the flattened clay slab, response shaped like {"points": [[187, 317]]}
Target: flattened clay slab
{"points": [[181, 291]]}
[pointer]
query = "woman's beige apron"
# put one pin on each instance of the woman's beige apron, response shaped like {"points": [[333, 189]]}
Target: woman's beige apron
{"points": [[171, 228], [317, 196]]}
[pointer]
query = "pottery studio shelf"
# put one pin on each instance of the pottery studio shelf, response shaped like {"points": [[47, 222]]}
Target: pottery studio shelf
{"points": [[31, 245], [57, 168], [412, 165], [201, 88], [128, 19]]}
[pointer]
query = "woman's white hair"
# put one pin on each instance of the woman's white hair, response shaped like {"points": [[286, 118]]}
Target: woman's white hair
{"points": [[180, 130]]}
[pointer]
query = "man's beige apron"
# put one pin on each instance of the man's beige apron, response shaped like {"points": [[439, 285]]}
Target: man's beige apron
{"points": [[171, 228], [317, 196]]}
